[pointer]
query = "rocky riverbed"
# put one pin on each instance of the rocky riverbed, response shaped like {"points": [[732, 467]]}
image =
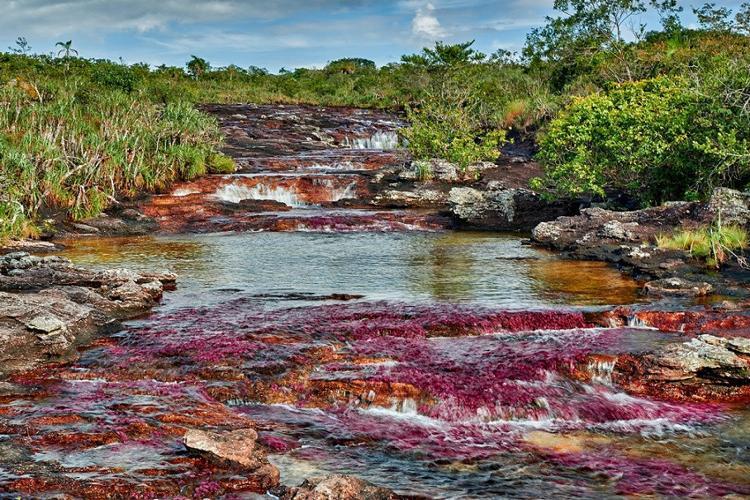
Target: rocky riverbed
{"points": [[327, 334]]}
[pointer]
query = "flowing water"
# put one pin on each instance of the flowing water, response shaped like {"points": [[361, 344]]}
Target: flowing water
{"points": [[436, 363], [450, 375]]}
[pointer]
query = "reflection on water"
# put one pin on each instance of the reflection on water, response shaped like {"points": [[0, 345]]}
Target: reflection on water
{"points": [[457, 267]]}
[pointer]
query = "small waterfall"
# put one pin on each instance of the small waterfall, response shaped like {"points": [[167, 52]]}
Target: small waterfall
{"points": [[636, 322], [235, 193], [601, 371], [338, 193], [379, 140]]}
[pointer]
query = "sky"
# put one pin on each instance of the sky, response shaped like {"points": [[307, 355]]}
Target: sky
{"points": [[272, 33]]}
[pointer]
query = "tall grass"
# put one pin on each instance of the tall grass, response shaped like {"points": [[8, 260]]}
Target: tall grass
{"points": [[74, 151], [715, 244]]}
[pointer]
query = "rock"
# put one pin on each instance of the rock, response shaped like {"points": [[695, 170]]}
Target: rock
{"points": [[418, 198], [46, 324], [336, 487], [239, 447], [501, 209], [677, 287], [707, 368], [733, 206], [49, 307], [617, 230]]}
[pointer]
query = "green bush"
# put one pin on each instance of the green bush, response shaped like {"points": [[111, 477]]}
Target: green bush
{"points": [[659, 139], [447, 126], [115, 77]]}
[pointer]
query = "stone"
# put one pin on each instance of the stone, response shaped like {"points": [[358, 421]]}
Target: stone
{"points": [[732, 206], [49, 307], [677, 287], [501, 209], [336, 487], [239, 447], [46, 324], [707, 368]]}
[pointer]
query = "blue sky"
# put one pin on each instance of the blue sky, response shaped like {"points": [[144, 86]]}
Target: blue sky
{"points": [[268, 33]]}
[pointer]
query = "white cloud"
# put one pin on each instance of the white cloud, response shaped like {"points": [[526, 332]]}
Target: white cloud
{"points": [[426, 25]]}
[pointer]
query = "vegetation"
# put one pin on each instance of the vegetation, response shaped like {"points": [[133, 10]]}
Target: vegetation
{"points": [[657, 115], [716, 244], [73, 151]]}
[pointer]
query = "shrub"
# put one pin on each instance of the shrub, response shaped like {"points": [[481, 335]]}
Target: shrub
{"points": [[446, 126], [660, 139], [115, 76]]}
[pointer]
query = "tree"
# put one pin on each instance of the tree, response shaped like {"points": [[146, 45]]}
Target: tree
{"points": [[66, 48], [742, 19], [587, 28], [445, 55], [22, 46], [349, 65], [197, 66], [713, 18]]}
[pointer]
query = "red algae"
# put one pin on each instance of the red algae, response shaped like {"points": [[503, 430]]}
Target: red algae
{"points": [[428, 384]]}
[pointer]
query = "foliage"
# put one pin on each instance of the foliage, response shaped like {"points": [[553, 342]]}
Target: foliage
{"points": [[197, 66], [444, 56], [66, 155], [445, 126], [716, 244], [659, 139]]}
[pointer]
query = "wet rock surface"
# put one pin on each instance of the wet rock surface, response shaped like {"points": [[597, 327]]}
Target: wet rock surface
{"points": [[628, 239], [49, 307], [304, 168], [335, 487]]}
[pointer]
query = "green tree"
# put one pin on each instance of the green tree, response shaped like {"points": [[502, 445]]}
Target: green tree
{"points": [[713, 18], [742, 19], [66, 48], [22, 46], [445, 56], [197, 67]]}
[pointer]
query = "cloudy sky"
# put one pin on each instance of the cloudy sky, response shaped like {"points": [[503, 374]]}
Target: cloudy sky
{"points": [[270, 33]]}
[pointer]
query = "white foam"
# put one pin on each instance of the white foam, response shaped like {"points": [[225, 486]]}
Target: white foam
{"points": [[235, 193], [379, 140]]}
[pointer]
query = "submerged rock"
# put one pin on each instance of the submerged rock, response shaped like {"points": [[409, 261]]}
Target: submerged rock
{"points": [[336, 487]]}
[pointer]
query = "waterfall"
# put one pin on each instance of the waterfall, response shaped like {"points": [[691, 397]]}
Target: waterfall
{"points": [[379, 140], [235, 193]]}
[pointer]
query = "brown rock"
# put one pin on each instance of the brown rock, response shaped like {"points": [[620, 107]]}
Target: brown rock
{"points": [[238, 447], [337, 487]]}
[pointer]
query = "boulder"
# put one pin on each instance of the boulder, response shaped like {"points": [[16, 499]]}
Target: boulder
{"points": [[237, 448], [707, 368], [49, 307], [504, 209]]}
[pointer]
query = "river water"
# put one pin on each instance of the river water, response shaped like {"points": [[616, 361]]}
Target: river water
{"points": [[379, 387]]}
